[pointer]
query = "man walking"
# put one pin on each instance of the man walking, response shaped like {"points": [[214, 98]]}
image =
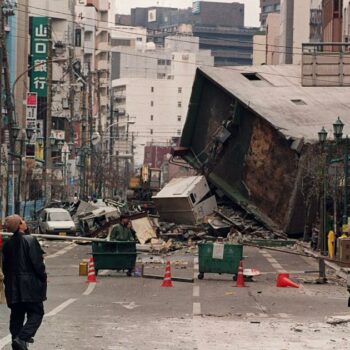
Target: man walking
{"points": [[25, 282]]}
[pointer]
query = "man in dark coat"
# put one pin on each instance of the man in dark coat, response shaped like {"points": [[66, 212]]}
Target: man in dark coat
{"points": [[25, 282]]}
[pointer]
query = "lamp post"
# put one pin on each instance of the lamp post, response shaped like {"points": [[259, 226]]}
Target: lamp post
{"points": [[339, 139]]}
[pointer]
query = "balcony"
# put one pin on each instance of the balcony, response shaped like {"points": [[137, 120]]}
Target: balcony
{"points": [[326, 64], [103, 46], [103, 65]]}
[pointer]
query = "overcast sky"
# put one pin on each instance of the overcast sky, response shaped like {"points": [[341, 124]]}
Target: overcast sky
{"points": [[251, 7]]}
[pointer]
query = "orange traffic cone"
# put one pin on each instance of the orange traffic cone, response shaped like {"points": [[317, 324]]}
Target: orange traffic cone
{"points": [[91, 278], [167, 276], [283, 281], [240, 277]]}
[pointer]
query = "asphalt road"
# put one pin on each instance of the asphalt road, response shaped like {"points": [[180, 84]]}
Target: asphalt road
{"points": [[121, 312]]}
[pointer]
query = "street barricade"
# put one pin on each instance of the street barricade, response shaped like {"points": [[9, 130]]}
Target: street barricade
{"points": [[219, 258], [120, 256]]}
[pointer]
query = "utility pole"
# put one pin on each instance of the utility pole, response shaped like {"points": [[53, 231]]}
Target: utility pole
{"points": [[83, 142], [2, 43], [90, 119], [99, 172], [9, 107], [48, 159], [110, 153], [71, 108]]}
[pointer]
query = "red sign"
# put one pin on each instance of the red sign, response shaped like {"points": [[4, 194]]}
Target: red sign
{"points": [[77, 134], [32, 99]]}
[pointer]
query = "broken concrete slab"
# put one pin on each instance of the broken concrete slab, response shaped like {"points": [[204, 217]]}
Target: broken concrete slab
{"points": [[334, 320]]}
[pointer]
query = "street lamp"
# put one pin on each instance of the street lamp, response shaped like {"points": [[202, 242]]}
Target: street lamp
{"points": [[338, 127], [322, 135]]}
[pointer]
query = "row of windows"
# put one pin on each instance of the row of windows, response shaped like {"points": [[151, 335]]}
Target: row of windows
{"points": [[179, 104], [179, 89], [179, 118], [164, 62], [178, 132]]}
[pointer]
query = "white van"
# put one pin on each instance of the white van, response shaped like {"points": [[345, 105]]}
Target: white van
{"points": [[56, 221]]}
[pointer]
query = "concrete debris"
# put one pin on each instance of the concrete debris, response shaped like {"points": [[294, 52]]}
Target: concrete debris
{"points": [[335, 320]]}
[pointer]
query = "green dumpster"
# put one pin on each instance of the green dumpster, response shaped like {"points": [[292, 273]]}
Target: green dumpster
{"points": [[120, 256], [219, 258]]}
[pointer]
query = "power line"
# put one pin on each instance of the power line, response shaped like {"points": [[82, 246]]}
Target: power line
{"points": [[128, 32]]}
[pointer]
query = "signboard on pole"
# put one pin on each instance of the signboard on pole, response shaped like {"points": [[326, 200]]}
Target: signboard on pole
{"points": [[39, 49], [31, 111]]}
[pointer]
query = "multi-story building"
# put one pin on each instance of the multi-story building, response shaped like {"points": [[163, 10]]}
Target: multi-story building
{"points": [[298, 22], [151, 88], [266, 7], [219, 26]]}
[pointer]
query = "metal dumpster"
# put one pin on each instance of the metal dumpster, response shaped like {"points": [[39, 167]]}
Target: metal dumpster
{"points": [[120, 256], [219, 258]]}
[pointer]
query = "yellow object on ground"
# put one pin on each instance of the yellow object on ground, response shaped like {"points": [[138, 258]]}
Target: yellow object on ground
{"points": [[331, 238]]}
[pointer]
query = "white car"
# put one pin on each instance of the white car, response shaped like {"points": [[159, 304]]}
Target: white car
{"points": [[56, 221]]}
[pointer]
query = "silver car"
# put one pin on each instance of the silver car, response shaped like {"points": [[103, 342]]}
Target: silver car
{"points": [[56, 221]]}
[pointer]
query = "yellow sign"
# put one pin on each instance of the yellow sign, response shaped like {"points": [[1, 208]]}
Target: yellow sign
{"points": [[39, 152]]}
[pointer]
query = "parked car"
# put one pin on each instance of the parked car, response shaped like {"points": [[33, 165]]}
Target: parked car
{"points": [[56, 221]]}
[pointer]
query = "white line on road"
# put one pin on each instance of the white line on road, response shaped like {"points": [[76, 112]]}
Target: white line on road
{"points": [[90, 289], [197, 309], [195, 291], [5, 341], [62, 251], [60, 308]]}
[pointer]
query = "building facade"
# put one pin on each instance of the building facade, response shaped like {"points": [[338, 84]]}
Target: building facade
{"points": [[151, 88], [266, 7]]}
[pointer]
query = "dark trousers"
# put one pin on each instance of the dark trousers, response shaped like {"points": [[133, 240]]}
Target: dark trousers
{"points": [[34, 313]]}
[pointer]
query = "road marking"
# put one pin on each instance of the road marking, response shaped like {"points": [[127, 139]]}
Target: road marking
{"points": [[62, 251], [4, 341], [275, 264], [60, 308], [197, 309], [195, 291], [90, 289]]}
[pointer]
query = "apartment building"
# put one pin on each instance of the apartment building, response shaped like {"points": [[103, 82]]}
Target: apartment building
{"points": [[151, 89], [267, 7]]}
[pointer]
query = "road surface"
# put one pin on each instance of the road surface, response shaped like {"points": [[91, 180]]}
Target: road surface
{"points": [[121, 312]]}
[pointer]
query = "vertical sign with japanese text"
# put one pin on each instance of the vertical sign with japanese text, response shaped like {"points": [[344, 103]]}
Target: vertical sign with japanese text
{"points": [[39, 49]]}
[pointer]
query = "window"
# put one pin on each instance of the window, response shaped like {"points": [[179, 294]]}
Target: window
{"points": [[152, 103], [152, 117], [179, 104], [151, 131], [179, 90], [179, 132], [251, 76], [152, 89], [138, 39], [120, 42], [161, 75], [77, 40], [179, 118], [168, 62]]}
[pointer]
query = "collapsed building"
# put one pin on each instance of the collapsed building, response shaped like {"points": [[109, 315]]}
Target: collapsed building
{"points": [[250, 129]]}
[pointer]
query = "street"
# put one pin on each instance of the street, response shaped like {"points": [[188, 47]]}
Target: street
{"points": [[120, 312]]}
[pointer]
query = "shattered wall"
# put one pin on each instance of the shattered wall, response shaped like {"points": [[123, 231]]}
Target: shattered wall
{"points": [[256, 166], [270, 171]]}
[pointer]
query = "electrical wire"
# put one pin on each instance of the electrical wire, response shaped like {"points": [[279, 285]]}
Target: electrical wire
{"points": [[140, 34]]}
